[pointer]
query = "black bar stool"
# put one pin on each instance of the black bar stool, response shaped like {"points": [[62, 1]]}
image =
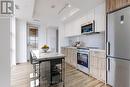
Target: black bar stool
{"points": [[36, 67]]}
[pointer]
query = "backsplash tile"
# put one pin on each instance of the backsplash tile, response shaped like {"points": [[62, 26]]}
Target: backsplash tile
{"points": [[95, 40]]}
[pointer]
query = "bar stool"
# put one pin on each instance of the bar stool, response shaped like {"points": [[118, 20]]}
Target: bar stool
{"points": [[35, 64]]}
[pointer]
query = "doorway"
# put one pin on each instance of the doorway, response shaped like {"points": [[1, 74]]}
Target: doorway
{"points": [[52, 39], [32, 41]]}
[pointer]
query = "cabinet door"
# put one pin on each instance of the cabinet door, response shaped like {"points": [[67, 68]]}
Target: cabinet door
{"points": [[76, 27], [66, 54], [128, 2], [98, 65], [119, 4], [100, 18], [69, 55], [93, 65], [88, 18], [122, 3], [74, 57], [107, 5], [116, 4], [68, 29], [73, 28], [111, 5], [102, 69], [63, 50], [102, 66]]}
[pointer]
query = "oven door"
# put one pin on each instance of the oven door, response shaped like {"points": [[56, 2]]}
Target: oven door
{"points": [[82, 59]]}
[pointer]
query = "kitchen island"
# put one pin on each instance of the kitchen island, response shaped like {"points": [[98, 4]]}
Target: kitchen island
{"points": [[51, 68]]}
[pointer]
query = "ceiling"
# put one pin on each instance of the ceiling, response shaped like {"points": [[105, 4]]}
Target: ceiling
{"points": [[24, 9], [47, 11], [44, 12]]}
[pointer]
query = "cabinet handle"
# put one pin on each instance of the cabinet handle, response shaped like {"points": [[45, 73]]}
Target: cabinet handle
{"points": [[108, 48], [108, 64]]}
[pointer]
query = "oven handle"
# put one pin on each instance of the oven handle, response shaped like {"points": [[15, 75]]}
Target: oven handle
{"points": [[83, 52]]}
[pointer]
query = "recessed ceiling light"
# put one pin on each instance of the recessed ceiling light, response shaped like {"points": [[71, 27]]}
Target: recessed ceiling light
{"points": [[69, 5], [17, 7], [53, 6], [64, 18], [36, 20], [73, 11]]}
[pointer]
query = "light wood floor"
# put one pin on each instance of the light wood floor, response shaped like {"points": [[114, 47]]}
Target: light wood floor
{"points": [[20, 77]]}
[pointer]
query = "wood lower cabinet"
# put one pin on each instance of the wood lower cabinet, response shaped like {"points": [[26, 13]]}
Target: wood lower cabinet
{"points": [[113, 5], [97, 61], [98, 64], [71, 55]]}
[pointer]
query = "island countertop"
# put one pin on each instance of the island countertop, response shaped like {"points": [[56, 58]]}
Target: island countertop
{"points": [[41, 56]]}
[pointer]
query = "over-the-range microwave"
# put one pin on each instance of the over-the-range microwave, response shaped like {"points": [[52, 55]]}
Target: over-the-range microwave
{"points": [[88, 28]]}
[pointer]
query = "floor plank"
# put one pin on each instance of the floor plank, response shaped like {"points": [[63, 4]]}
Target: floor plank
{"points": [[20, 77]]}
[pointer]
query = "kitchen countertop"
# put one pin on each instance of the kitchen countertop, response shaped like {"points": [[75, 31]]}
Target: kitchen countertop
{"points": [[101, 50], [69, 47], [83, 47], [41, 56]]}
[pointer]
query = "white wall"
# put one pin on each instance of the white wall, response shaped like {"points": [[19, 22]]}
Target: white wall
{"points": [[41, 35], [5, 23], [62, 40], [13, 41], [21, 41], [51, 38]]}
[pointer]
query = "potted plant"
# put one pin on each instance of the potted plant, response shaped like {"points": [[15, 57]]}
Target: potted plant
{"points": [[45, 48]]}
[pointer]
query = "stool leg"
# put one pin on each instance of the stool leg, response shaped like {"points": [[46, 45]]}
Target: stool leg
{"points": [[34, 74], [63, 67], [39, 74]]}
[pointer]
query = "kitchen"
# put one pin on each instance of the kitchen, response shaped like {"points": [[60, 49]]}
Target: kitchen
{"points": [[92, 38], [86, 44], [110, 66]]}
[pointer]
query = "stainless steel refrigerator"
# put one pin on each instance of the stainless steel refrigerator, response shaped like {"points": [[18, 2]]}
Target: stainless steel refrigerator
{"points": [[118, 48]]}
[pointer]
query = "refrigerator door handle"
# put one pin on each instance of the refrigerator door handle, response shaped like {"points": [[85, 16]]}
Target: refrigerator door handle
{"points": [[108, 64], [108, 48]]}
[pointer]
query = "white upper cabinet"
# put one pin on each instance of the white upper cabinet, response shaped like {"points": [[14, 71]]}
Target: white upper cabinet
{"points": [[100, 18], [88, 18], [98, 14], [73, 28], [68, 29], [77, 27]]}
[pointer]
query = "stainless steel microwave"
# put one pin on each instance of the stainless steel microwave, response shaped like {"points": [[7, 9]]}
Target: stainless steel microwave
{"points": [[88, 28]]}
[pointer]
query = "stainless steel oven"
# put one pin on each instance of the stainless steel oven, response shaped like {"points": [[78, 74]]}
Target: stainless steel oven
{"points": [[83, 60]]}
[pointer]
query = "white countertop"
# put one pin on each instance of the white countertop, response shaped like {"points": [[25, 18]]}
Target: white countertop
{"points": [[47, 56], [83, 47], [70, 47]]}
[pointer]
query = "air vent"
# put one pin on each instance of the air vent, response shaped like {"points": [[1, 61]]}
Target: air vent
{"points": [[17, 7]]}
